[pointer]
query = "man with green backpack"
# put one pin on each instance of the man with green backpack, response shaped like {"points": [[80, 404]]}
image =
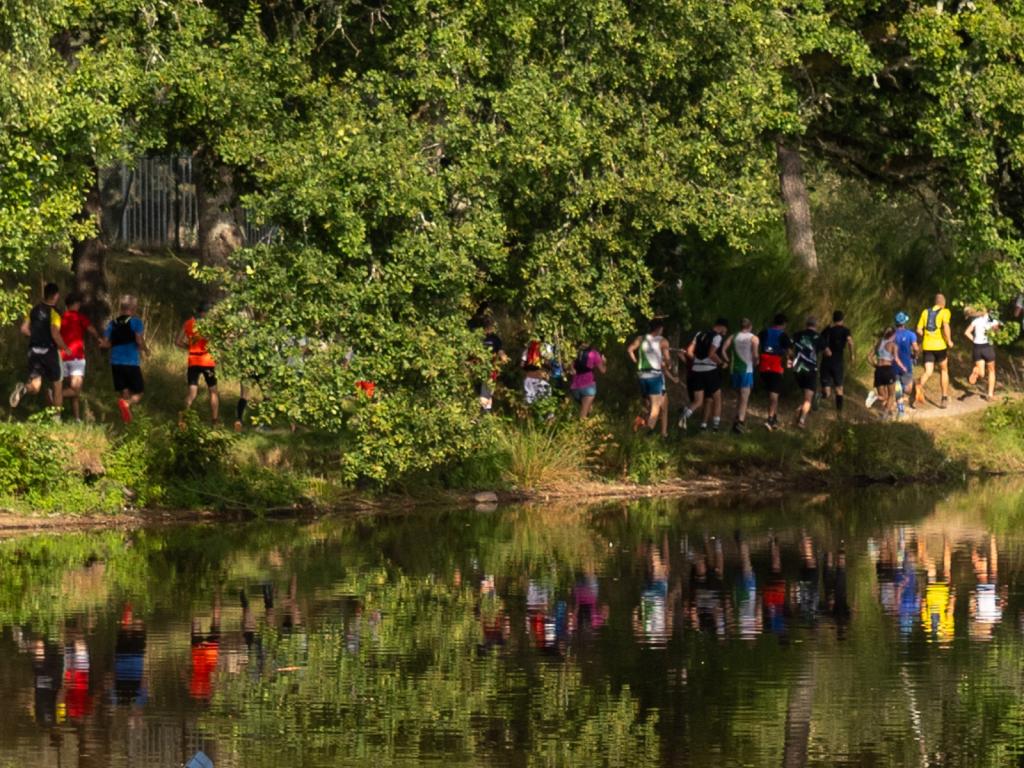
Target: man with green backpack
{"points": [[651, 355]]}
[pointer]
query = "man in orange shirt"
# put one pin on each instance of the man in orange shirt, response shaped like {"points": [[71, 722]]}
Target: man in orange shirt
{"points": [[200, 363]]}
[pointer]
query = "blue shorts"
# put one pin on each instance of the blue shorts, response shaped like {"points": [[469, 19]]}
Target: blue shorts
{"points": [[652, 386], [579, 394], [743, 380]]}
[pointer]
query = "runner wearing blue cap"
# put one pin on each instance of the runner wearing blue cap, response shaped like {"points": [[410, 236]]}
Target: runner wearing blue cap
{"points": [[906, 351]]}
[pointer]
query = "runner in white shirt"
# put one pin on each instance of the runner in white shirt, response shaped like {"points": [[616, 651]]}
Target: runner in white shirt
{"points": [[983, 353]]}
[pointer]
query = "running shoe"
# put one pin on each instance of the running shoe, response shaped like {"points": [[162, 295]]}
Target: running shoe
{"points": [[16, 395], [871, 399], [682, 420], [944, 402], [638, 422], [126, 411], [738, 428]]}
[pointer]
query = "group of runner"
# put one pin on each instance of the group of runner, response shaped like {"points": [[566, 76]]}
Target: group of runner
{"points": [[57, 359], [817, 357]]}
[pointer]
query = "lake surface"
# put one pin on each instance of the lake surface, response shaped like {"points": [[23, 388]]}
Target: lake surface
{"points": [[883, 627]]}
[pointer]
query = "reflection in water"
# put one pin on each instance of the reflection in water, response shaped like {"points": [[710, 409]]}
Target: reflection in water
{"points": [[640, 635]]}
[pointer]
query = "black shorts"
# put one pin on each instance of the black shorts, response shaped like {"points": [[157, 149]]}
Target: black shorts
{"points": [[807, 380], [936, 355], [128, 377], [885, 375], [984, 352], [707, 382], [45, 366], [832, 374], [208, 372], [772, 382]]}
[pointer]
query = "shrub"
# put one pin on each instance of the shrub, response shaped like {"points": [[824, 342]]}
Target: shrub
{"points": [[31, 459]]}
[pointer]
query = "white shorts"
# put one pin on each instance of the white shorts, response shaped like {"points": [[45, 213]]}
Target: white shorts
{"points": [[74, 368]]}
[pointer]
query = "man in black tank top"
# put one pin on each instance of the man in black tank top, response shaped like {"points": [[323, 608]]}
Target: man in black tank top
{"points": [[42, 327]]}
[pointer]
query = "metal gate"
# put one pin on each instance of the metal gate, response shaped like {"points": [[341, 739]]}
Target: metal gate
{"points": [[158, 206]]}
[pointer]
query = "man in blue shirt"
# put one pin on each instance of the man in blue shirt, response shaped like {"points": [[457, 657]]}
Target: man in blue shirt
{"points": [[906, 350], [126, 335]]}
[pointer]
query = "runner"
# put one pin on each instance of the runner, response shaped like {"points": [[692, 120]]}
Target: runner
{"points": [[705, 381], [200, 363], [906, 352], [42, 326], [805, 365], [933, 328], [126, 336], [775, 345], [535, 375], [493, 344], [834, 342], [744, 347], [649, 353], [887, 366], [983, 354], [584, 383], [73, 327]]}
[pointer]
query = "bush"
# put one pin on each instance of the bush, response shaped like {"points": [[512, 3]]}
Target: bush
{"points": [[31, 460]]}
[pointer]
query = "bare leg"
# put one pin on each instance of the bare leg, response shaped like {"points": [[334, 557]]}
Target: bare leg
{"points": [[586, 403], [741, 404], [944, 377], [929, 369], [773, 404], [214, 404], [190, 396], [991, 380]]}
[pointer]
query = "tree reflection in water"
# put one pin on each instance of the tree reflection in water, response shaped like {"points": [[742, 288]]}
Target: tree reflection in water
{"points": [[884, 628]]}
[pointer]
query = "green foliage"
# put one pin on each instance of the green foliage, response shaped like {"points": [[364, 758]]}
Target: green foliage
{"points": [[31, 459], [884, 451]]}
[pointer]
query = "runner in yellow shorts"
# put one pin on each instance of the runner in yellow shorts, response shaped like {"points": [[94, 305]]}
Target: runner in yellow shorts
{"points": [[936, 341]]}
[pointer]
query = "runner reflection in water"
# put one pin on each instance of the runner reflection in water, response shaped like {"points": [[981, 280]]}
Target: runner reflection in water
{"points": [[652, 620], [77, 665], [807, 595], [937, 612], [549, 629], [47, 670], [129, 659], [205, 655], [590, 614], [494, 620], [748, 601], [988, 600], [908, 596], [836, 595], [707, 612], [775, 594], [888, 574]]}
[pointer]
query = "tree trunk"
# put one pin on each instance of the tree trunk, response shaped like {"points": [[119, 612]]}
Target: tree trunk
{"points": [[799, 227], [220, 230], [88, 262]]}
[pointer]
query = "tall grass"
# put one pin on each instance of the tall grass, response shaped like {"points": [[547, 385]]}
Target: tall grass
{"points": [[542, 455]]}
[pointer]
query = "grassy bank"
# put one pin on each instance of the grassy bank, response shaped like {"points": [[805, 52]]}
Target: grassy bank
{"points": [[100, 466]]}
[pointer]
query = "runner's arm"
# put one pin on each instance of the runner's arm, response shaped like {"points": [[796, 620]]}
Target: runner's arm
{"points": [[666, 355], [57, 338], [970, 328], [181, 341], [25, 330], [755, 351], [140, 339], [602, 367], [725, 349], [632, 348], [948, 334], [853, 349], [896, 356]]}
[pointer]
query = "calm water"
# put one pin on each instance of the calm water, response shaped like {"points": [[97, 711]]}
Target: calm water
{"points": [[881, 628]]}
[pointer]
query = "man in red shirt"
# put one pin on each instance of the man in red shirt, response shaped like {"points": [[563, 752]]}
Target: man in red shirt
{"points": [[200, 362], [73, 328]]}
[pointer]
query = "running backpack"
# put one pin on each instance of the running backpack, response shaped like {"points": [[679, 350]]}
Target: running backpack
{"points": [[533, 357], [704, 341], [933, 317], [582, 363], [121, 331]]}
